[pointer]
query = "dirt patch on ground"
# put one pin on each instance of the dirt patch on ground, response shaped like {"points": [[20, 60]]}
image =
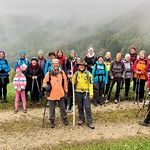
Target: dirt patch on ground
{"points": [[23, 131]]}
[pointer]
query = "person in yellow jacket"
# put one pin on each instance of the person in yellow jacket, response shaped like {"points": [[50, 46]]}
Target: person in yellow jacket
{"points": [[84, 93]]}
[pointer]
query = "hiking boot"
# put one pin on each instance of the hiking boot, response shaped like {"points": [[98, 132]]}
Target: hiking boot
{"points": [[106, 101], [5, 100], [25, 110], [141, 100], [69, 111], [52, 124], [91, 126], [66, 122], [16, 110], [143, 123], [126, 98], [116, 101], [80, 122], [38, 103], [1, 101]]}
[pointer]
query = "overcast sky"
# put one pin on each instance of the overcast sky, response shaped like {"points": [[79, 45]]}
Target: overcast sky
{"points": [[68, 8]]}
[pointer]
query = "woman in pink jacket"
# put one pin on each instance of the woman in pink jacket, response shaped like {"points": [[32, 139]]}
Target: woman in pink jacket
{"points": [[19, 83]]}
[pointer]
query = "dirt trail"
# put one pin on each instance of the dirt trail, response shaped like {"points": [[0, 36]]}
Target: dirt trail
{"points": [[34, 136]]}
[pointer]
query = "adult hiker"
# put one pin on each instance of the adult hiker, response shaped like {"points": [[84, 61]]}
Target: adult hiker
{"points": [[84, 93], [4, 76], [48, 65], [34, 75], [139, 69], [100, 79], [62, 58], [133, 54], [90, 59], [107, 62], [22, 62], [128, 74], [133, 58], [148, 79], [41, 59], [70, 66], [146, 121], [117, 73], [19, 83], [58, 81]]}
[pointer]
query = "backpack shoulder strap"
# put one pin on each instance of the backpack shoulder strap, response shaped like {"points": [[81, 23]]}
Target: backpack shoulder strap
{"points": [[95, 69], [6, 62]]}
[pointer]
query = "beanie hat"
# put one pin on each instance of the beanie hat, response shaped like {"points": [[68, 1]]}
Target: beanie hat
{"points": [[55, 61], [133, 48], [142, 52], [40, 52], [18, 70], [1, 51], [22, 52], [34, 58]]}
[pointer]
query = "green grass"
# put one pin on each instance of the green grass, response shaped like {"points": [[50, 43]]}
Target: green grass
{"points": [[138, 143]]}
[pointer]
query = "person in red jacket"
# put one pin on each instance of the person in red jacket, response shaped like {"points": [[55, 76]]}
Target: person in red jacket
{"points": [[140, 69], [62, 58], [133, 54]]}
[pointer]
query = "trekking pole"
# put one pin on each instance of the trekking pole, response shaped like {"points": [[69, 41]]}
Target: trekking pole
{"points": [[74, 111], [138, 92], [145, 117], [136, 88], [142, 107], [121, 87], [38, 87], [111, 81], [32, 85], [43, 120], [32, 90]]}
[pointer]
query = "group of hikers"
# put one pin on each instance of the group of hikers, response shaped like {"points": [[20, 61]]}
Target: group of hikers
{"points": [[93, 78]]}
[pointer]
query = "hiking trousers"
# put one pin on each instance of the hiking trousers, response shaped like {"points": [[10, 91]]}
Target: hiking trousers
{"points": [[127, 86], [118, 87], [61, 105], [84, 104], [23, 97]]}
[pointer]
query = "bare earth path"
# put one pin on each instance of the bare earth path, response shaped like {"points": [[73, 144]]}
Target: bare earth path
{"points": [[23, 131]]}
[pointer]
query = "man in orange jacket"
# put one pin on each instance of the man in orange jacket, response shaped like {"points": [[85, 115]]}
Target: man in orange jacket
{"points": [[58, 81]]}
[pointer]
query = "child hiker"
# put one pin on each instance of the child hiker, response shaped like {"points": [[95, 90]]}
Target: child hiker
{"points": [[19, 83]]}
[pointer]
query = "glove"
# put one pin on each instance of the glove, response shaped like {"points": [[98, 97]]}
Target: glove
{"points": [[112, 77], [2, 71], [91, 97]]}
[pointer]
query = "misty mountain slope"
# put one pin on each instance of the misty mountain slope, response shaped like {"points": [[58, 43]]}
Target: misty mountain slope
{"points": [[128, 30], [13, 28], [131, 29]]}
